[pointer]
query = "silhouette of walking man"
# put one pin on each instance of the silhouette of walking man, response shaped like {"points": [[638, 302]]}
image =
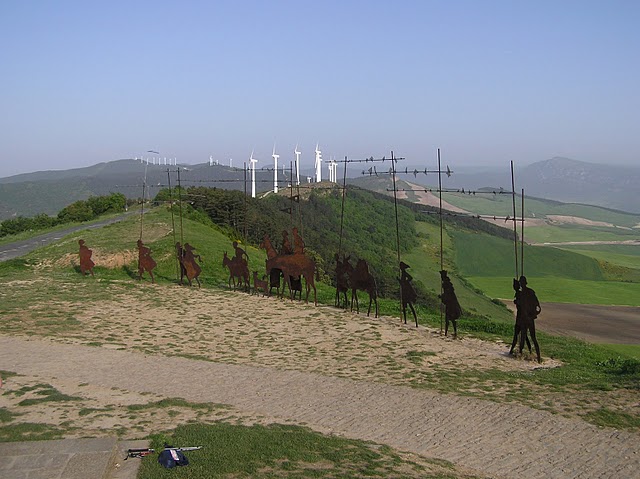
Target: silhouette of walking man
{"points": [[86, 263], [529, 308], [452, 307]]}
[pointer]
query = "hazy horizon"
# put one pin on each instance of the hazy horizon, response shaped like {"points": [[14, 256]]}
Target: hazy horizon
{"points": [[486, 82]]}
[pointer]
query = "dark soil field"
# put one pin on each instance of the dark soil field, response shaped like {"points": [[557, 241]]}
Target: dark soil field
{"points": [[592, 323]]}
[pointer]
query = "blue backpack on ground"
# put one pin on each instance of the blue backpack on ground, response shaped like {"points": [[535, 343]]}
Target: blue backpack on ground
{"points": [[172, 457]]}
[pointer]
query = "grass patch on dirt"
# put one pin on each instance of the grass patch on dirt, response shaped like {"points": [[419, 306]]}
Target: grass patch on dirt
{"points": [[609, 418], [286, 451], [26, 431]]}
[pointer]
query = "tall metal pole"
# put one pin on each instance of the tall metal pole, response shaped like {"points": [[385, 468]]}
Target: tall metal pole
{"points": [[515, 232], [180, 208], [144, 187], [441, 234], [173, 224], [245, 200], [522, 237], [395, 203], [344, 191]]}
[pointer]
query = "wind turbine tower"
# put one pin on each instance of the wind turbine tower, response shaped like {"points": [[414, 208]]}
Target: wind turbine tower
{"points": [[333, 171], [252, 163], [275, 169], [318, 165], [297, 153]]}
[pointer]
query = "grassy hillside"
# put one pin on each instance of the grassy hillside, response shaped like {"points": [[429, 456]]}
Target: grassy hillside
{"points": [[617, 254], [482, 255], [556, 275]]}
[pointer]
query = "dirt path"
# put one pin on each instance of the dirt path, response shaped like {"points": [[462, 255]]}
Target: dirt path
{"points": [[499, 440]]}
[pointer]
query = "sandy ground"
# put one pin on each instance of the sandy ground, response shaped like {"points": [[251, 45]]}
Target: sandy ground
{"points": [[291, 344]]}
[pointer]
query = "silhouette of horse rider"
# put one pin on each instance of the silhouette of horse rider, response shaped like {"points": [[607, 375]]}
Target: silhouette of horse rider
{"points": [[298, 242], [452, 307], [528, 308], [86, 263], [409, 295], [286, 244]]}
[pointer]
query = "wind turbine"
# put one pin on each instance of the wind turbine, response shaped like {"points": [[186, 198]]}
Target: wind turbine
{"points": [[297, 153], [252, 163], [318, 165], [275, 169]]}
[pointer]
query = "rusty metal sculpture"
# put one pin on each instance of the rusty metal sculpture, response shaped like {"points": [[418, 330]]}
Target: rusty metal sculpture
{"points": [[528, 307], [238, 270], [274, 274], [86, 263], [343, 284], [260, 284], [407, 292], [361, 279], [145, 261], [452, 307], [286, 245], [180, 252], [188, 265], [296, 265], [298, 242]]}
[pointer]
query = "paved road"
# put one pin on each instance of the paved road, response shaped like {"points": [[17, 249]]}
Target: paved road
{"points": [[19, 248], [500, 440]]}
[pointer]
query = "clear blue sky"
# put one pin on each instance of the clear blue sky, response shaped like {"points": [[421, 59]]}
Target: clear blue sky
{"points": [[486, 81]]}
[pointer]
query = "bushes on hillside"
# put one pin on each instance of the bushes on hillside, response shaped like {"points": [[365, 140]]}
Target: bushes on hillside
{"points": [[77, 212]]}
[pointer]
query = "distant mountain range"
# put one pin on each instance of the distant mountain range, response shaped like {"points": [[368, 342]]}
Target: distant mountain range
{"points": [[560, 179]]}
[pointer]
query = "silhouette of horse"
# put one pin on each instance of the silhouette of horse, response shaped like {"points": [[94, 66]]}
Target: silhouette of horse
{"points": [[362, 279], [342, 279], [237, 270], [293, 266]]}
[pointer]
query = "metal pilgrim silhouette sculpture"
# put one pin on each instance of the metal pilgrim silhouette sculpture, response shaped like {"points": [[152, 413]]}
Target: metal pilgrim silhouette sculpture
{"points": [[527, 310], [293, 267], [343, 285], [450, 301], [361, 279], [188, 264], [238, 268], [145, 261], [407, 292], [86, 263]]}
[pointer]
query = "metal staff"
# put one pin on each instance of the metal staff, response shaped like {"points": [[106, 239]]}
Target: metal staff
{"points": [[515, 232], [180, 208], [395, 203], [144, 186], [173, 223], [522, 238], [344, 194], [441, 227]]}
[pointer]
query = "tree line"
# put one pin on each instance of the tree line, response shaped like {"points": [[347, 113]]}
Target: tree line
{"points": [[77, 212]]}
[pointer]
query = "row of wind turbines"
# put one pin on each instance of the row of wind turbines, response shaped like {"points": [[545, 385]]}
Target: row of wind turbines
{"points": [[332, 165]]}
